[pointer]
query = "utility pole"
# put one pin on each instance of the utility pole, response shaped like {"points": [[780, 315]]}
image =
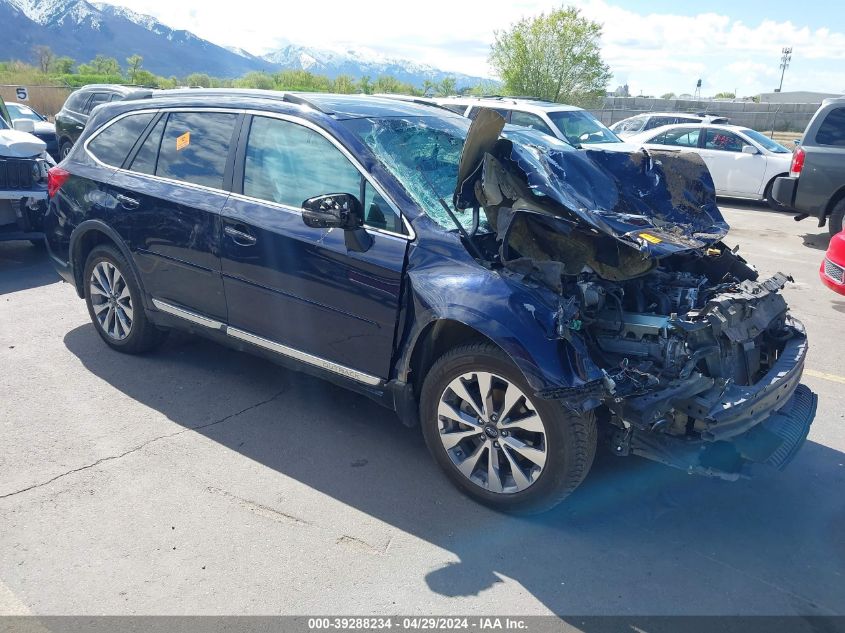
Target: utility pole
{"points": [[786, 56]]}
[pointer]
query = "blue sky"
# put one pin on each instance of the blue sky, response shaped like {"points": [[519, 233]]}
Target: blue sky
{"points": [[654, 46]]}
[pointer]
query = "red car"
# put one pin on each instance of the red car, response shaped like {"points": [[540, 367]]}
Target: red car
{"points": [[832, 270]]}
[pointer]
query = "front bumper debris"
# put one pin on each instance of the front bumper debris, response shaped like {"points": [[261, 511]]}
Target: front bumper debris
{"points": [[771, 444]]}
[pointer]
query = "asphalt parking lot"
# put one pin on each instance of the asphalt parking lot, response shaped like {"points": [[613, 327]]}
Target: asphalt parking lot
{"points": [[203, 480]]}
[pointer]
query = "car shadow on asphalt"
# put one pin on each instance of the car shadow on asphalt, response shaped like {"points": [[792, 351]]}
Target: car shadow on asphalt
{"points": [[23, 266], [635, 538]]}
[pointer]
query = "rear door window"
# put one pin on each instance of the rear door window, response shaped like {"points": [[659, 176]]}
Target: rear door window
{"points": [[473, 113], [832, 129], [526, 119], [112, 145], [659, 121], [723, 140], [195, 147], [96, 99], [147, 156]]}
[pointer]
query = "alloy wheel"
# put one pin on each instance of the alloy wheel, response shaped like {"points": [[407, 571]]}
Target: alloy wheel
{"points": [[111, 300], [491, 432]]}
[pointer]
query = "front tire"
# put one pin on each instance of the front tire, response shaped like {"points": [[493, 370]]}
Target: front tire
{"points": [[113, 297], [64, 150], [496, 441]]}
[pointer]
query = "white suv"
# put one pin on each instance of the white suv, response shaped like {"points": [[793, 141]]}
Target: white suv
{"points": [[568, 123]]}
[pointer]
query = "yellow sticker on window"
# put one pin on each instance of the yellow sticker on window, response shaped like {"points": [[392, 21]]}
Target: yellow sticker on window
{"points": [[648, 237], [183, 141]]}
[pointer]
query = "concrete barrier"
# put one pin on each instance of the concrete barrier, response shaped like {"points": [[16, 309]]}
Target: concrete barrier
{"points": [[786, 117]]}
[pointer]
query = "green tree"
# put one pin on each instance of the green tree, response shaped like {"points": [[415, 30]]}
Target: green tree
{"points": [[428, 88], [100, 65], [553, 56], [343, 84], [63, 65], [45, 57], [256, 79], [387, 84], [725, 95], [364, 85], [668, 95], [445, 87], [133, 65], [146, 78], [198, 80]]}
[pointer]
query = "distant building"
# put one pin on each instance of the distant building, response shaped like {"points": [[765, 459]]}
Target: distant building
{"points": [[796, 96]]}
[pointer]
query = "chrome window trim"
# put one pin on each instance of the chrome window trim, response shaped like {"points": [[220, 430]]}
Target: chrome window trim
{"points": [[188, 315], [355, 163], [409, 236], [310, 359], [273, 346]]}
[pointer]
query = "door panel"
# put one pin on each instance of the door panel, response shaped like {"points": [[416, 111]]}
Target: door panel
{"points": [[734, 173], [173, 196], [301, 286], [174, 232]]}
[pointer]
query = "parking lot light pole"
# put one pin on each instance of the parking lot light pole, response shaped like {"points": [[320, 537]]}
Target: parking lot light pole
{"points": [[786, 55]]}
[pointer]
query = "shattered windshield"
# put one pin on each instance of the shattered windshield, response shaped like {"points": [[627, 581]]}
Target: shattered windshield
{"points": [[423, 153], [581, 127]]}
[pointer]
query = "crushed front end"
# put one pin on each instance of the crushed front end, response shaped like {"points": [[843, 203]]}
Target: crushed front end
{"points": [[689, 358], [23, 185]]}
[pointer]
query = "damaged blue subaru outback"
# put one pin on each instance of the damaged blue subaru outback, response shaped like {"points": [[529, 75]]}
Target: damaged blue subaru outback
{"points": [[522, 300]]}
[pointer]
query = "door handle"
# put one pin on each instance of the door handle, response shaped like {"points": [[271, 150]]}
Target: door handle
{"points": [[128, 203], [241, 238]]}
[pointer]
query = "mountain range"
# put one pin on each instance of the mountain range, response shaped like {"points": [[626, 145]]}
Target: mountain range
{"points": [[82, 30]]}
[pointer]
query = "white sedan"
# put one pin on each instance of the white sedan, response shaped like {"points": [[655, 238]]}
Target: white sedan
{"points": [[742, 162]]}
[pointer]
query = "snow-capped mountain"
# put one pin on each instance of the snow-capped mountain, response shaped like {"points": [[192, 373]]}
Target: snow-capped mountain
{"points": [[358, 62], [82, 30]]}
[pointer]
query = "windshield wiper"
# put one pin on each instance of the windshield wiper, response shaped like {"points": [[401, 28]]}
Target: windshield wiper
{"points": [[470, 242]]}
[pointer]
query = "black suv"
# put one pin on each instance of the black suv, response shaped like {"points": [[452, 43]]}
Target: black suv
{"points": [[71, 119], [465, 279], [816, 182]]}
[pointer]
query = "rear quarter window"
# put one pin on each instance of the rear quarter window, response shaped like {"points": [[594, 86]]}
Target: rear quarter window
{"points": [[76, 101], [832, 129], [112, 145]]}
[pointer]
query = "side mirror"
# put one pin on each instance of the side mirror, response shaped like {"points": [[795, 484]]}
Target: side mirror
{"points": [[749, 149], [24, 125], [333, 211], [338, 211]]}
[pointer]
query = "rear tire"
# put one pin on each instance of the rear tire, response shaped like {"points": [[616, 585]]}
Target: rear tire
{"points": [[113, 297], [834, 222], [511, 450], [64, 150]]}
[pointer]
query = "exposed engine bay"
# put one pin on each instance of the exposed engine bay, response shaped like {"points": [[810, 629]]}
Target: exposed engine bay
{"points": [[686, 338]]}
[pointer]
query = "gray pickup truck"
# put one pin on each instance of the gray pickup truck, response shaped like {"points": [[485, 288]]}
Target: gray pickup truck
{"points": [[816, 182]]}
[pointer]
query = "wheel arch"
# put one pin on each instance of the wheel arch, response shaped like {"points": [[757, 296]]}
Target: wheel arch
{"points": [[436, 338], [84, 238], [771, 183], [835, 199]]}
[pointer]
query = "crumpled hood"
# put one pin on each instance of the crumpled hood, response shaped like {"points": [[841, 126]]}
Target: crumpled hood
{"points": [[16, 144], [659, 202]]}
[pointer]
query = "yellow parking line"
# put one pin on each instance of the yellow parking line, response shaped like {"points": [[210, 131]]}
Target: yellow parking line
{"points": [[824, 376]]}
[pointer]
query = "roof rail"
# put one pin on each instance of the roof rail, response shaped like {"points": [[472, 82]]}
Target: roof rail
{"points": [[288, 97]]}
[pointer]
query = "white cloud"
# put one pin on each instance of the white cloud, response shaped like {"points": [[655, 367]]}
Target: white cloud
{"points": [[652, 52]]}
